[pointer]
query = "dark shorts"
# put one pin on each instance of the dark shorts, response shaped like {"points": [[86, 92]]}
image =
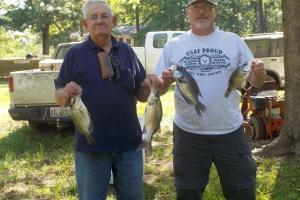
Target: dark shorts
{"points": [[194, 154]]}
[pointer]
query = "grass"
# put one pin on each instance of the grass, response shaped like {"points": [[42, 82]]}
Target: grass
{"points": [[35, 166], [167, 103], [4, 95]]}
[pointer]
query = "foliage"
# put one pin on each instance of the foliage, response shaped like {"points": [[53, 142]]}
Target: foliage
{"points": [[61, 16], [239, 16], [273, 13], [234, 16], [18, 44], [150, 15], [69, 22], [64, 16], [125, 10]]}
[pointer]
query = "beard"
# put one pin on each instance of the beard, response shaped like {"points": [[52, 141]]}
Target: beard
{"points": [[201, 24]]}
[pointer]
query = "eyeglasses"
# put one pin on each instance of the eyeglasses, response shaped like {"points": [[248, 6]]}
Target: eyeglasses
{"points": [[95, 18]]}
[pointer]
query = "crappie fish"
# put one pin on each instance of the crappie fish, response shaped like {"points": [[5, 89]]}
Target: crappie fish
{"points": [[152, 117], [237, 79], [188, 87], [81, 118]]}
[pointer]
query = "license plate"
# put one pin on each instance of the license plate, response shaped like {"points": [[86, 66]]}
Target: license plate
{"points": [[59, 112]]}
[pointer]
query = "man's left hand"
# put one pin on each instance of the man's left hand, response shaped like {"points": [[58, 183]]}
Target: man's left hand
{"points": [[258, 73], [152, 81], [258, 68]]}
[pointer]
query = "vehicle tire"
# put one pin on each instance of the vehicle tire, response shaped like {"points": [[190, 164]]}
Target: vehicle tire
{"points": [[249, 132], [272, 77], [41, 127], [258, 128], [67, 130]]}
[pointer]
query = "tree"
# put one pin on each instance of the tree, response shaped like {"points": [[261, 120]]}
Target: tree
{"points": [[44, 16], [16, 44], [127, 11], [261, 17], [54, 20], [236, 16], [150, 15], [273, 15], [250, 16], [289, 140]]}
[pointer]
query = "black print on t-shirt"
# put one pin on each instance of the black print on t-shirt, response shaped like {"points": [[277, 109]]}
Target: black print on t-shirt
{"points": [[205, 61]]}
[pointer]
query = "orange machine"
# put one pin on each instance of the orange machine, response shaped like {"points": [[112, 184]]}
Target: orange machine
{"points": [[263, 111]]}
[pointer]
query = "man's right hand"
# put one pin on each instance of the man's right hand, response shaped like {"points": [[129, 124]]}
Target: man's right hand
{"points": [[73, 89], [167, 77], [63, 95], [166, 80]]}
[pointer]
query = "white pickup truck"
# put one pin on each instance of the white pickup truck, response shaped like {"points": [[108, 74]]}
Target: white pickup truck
{"points": [[269, 47], [154, 44], [32, 92]]}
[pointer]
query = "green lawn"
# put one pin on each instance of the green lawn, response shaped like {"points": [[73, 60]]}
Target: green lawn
{"points": [[4, 96], [35, 166]]}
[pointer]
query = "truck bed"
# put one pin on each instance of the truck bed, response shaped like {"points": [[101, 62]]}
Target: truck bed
{"points": [[33, 87], [8, 65]]}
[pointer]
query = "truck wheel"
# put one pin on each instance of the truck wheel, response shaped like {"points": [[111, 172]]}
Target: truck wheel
{"points": [[40, 127], [258, 128], [66, 129], [273, 77], [248, 130]]}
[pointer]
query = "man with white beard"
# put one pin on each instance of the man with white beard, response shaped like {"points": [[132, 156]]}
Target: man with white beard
{"points": [[216, 136]]}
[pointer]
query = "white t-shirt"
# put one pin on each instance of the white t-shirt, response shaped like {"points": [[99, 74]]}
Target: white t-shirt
{"points": [[210, 59]]}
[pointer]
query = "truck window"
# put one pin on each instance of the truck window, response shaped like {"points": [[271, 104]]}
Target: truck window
{"points": [[128, 41], [176, 34], [60, 54], [159, 40], [260, 48], [277, 47]]}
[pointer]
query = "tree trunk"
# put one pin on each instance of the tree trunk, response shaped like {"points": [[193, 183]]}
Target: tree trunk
{"points": [[255, 10], [260, 16], [45, 38], [182, 23], [291, 26], [137, 18], [265, 21], [289, 140]]}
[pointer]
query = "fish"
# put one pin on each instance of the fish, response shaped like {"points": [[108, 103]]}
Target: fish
{"points": [[152, 118], [188, 88], [237, 79], [81, 118]]}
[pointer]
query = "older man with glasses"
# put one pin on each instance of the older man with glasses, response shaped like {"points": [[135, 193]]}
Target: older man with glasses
{"points": [[109, 78]]}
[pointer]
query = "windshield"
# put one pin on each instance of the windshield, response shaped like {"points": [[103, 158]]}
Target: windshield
{"points": [[60, 52], [266, 47]]}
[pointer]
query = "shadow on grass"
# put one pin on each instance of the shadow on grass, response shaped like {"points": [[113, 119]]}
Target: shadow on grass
{"points": [[149, 191], [23, 141], [14, 195], [3, 82], [287, 184], [33, 164]]}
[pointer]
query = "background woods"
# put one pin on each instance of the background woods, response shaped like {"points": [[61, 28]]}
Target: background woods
{"points": [[53, 20]]}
